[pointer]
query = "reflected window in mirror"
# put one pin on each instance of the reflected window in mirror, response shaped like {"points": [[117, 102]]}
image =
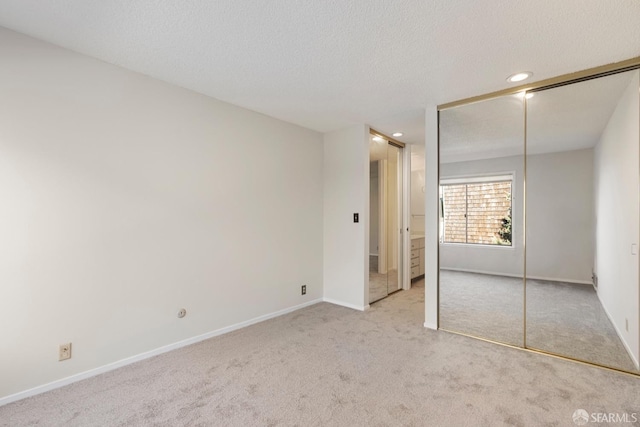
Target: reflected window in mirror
{"points": [[476, 210]]}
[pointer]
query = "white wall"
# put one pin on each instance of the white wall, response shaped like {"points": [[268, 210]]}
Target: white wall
{"points": [[346, 191], [393, 208], [417, 200], [559, 216], [617, 216], [123, 199], [490, 259]]}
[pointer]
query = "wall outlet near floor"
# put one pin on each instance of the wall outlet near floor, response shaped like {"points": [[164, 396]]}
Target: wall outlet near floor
{"points": [[64, 352], [303, 289]]}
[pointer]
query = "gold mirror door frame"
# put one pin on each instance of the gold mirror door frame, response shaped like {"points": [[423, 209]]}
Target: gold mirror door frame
{"points": [[386, 216], [530, 334]]}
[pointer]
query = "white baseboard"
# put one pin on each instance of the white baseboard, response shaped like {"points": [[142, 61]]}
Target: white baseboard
{"points": [[129, 360], [519, 276], [556, 279], [624, 342], [430, 326], [346, 304], [492, 273]]}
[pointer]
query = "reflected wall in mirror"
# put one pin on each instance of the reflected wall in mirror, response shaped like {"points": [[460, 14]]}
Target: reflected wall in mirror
{"points": [[394, 218], [385, 214], [481, 255], [582, 220], [417, 210]]}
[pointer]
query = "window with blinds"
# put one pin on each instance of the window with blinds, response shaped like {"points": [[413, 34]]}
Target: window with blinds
{"points": [[476, 212]]}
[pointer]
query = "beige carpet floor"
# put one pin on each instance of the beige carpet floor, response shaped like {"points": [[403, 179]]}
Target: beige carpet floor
{"points": [[329, 365], [562, 318]]}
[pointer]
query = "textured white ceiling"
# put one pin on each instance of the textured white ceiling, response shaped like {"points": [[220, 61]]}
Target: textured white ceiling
{"points": [[482, 130], [331, 63], [573, 117], [565, 118]]}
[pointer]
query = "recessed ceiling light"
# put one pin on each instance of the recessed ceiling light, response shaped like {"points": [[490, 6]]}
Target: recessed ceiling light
{"points": [[524, 94], [518, 77], [377, 139], [398, 134]]}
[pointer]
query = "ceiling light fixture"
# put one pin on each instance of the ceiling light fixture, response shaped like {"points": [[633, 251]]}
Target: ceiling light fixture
{"points": [[524, 94], [518, 77], [398, 134], [377, 139]]}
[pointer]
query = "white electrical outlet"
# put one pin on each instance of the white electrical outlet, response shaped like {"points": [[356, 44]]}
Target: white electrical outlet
{"points": [[64, 352]]}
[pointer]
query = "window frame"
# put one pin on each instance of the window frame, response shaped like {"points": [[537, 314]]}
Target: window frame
{"points": [[476, 179]]}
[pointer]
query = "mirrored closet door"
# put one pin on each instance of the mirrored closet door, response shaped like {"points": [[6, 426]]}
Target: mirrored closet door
{"points": [[583, 170], [386, 217], [481, 289], [539, 219]]}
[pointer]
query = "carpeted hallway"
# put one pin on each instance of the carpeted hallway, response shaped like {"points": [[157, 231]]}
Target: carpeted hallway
{"points": [[329, 365]]}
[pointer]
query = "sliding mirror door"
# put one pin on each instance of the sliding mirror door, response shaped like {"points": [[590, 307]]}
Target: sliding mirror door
{"points": [[582, 221], [377, 219], [481, 255], [394, 218], [385, 217]]}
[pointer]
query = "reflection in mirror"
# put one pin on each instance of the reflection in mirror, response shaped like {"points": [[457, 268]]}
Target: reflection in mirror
{"points": [[583, 221], [377, 228], [417, 210], [394, 215], [385, 218], [481, 254]]}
